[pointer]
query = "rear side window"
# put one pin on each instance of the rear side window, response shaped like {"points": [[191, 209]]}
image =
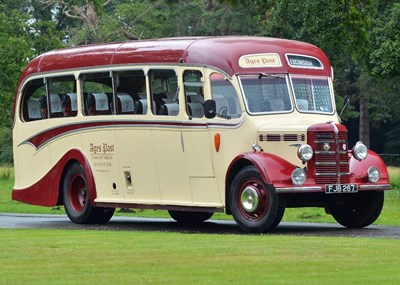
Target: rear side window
{"points": [[34, 104], [97, 93], [130, 96], [53, 97], [62, 97]]}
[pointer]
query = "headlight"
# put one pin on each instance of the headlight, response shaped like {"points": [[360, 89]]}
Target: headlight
{"points": [[373, 174], [305, 152], [298, 176], [360, 151]]}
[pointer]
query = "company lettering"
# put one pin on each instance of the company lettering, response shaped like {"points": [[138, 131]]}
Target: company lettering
{"points": [[260, 60], [104, 148]]}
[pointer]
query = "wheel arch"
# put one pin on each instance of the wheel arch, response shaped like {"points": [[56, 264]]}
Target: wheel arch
{"points": [[76, 156], [271, 167]]}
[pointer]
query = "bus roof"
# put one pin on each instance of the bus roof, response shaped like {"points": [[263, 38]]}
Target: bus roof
{"points": [[221, 52]]}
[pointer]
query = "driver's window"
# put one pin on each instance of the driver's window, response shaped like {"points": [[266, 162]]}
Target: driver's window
{"points": [[225, 97]]}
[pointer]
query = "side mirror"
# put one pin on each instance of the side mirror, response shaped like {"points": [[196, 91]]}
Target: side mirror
{"points": [[210, 109]]}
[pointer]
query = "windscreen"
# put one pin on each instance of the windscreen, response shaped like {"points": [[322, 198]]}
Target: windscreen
{"points": [[266, 93], [312, 94]]}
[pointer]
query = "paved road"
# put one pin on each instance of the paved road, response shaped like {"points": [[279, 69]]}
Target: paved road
{"points": [[213, 226]]}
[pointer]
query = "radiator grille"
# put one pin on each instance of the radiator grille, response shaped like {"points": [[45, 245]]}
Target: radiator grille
{"points": [[331, 158]]}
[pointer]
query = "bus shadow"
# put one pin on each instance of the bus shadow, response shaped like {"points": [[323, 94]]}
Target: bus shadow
{"points": [[228, 227]]}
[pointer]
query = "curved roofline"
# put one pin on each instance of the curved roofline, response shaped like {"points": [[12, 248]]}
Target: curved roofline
{"points": [[222, 52]]}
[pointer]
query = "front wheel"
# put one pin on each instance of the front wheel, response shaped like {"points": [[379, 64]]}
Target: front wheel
{"points": [[358, 210], [255, 206], [77, 201]]}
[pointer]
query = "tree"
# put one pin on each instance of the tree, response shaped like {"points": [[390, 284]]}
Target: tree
{"points": [[385, 55], [15, 53], [341, 28]]}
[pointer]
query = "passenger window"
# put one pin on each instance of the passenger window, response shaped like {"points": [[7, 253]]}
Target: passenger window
{"points": [[225, 97], [34, 101], [164, 92], [131, 95], [193, 83], [62, 98], [97, 93]]}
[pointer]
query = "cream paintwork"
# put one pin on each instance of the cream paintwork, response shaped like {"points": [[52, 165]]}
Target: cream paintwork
{"points": [[277, 125], [168, 165], [27, 156]]}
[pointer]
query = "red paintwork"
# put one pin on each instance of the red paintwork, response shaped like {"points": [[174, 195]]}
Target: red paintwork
{"points": [[358, 169], [326, 128], [277, 171], [273, 169], [46, 191], [221, 52]]}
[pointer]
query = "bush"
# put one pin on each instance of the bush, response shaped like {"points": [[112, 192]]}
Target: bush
{"points": [[6, 155]]}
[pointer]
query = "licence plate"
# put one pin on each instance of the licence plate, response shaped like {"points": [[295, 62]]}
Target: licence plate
{"points": [[341, 188]]}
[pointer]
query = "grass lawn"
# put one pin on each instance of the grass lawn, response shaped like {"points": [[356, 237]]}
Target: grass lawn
{"points": [[44, 256], [106, 257]]}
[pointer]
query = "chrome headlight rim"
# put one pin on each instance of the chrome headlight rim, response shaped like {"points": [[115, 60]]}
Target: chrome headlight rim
{"points": [[360, 151], [305, 152], [298, 176], [373, 174]]}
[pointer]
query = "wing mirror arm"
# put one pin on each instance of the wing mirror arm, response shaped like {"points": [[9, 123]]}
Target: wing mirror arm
{"points": [[346, 102]]}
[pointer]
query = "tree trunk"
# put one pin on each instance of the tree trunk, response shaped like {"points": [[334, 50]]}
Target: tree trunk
{"points": [[364, 121]]}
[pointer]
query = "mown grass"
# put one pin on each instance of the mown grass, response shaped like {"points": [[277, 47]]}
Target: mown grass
{"points": [[390, 214], [106, 257]]}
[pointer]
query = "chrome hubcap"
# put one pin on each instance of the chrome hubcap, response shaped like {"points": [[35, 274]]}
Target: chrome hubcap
{"points": [[250, 199]]}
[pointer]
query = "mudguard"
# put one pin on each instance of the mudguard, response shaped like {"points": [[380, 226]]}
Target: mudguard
{"points": [[273, 169], [358, 169], [46, 192]]}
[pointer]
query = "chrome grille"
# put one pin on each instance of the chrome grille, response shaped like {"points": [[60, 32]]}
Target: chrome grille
{"points": [[331, 158]]}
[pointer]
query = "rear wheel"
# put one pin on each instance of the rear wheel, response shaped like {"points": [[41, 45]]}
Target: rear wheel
{"points": [[358, 210], [255, 206], [77, 201], [190, 217]]}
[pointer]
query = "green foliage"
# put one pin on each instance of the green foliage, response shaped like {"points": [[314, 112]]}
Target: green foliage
{"points": [[5, 146], [386, 52], [15, 53]]}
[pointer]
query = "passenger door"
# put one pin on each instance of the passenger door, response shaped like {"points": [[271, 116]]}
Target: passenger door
{"points": [[196, 142]]}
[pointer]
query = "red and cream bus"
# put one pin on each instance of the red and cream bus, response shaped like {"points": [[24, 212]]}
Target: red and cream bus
{"points": [[245, 125]]}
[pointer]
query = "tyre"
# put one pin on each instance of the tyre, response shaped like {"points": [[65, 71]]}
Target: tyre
{"points": [[358, 210], [77, 201], [255, 206], [190, 217]]}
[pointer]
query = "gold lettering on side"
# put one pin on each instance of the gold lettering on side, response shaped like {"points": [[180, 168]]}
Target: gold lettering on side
{"points": [[102, 156], [260, 60]]}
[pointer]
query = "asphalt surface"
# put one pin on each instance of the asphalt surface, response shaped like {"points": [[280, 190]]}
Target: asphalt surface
{"points": [[20, 221]]}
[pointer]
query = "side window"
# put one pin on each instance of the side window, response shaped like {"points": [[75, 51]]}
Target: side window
{"points": [[192, 81], [97, 93], [225, 97], [34, 101], [131, 95], [62, 97], [164, 92]]}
